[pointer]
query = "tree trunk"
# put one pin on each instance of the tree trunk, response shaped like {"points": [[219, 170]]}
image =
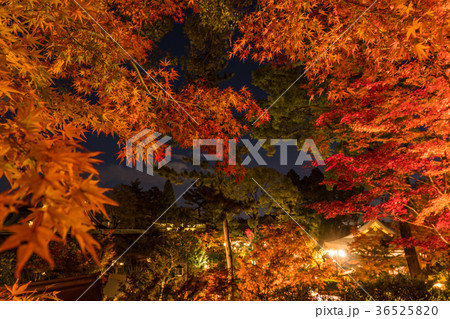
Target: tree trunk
{"points": [[161, 294], [410, 253], [229, 256]]}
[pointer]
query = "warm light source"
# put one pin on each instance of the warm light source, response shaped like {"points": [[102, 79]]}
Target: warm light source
{"points": [[340, 253], [438, 285]]}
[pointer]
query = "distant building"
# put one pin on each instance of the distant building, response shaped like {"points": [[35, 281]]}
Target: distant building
{"points": [[371, 228], [343, 251]]}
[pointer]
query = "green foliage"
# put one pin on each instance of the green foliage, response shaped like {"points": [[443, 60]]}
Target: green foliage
{"points": [[7, 266], [297, 292], [207, 52], [158, 29], [153, 274], [394, 288], [168, 197], [69, 261], [179, 216], [312, 191], [293, 116], [136, 209], [222, 15], [258, 202], [209, 32]]}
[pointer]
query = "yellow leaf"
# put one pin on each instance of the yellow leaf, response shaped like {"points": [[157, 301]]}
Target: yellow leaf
{"points": [[409, 8], [411, 30], [421, 50], [6, 89], [28, 240]]}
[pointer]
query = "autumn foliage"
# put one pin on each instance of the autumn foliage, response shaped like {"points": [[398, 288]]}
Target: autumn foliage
{"points": [[282, 264], [18, 292], [383, 67], [61, 74]]}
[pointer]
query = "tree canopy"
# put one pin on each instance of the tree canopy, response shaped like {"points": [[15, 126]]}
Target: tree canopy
{"points": [[368, 80]]}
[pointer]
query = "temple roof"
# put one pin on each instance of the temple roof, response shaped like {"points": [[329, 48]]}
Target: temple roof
{"points": [[373, 225]]}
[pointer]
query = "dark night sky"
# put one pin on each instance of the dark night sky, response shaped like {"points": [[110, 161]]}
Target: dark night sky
{"points": [[113, 173]]}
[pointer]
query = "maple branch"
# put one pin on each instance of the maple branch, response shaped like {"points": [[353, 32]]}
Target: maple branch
{"points": [[433, 228], [445, 174], [435, 185], [440, 68], [417, 180], [356, 3], [14, 141], [367, 19], [441, 236], [142, 80], [190, 104], [148, 90], [412, 223], [413, 209], [445, 183]]}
